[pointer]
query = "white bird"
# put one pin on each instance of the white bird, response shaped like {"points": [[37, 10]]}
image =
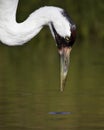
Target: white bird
{"points": [[62, 28]]}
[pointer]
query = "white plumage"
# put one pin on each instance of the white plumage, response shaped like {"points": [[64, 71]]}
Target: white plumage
{"points": [[13, 33]]}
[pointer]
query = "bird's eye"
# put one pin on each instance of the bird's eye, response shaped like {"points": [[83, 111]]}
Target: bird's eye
{"points": [[67, 39]]}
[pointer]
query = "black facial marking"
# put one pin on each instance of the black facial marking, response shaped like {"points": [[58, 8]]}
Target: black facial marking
{"points": [[73, 34], [73, 27], [61, 41], [65, 14]]}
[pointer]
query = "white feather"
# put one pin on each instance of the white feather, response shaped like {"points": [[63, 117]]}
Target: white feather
{"points": [[13, 33]]}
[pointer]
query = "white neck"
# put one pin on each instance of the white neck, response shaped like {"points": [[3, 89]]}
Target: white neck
{"points": [[13, 33]]}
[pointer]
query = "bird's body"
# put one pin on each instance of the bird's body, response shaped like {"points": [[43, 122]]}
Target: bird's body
{"points": [[13, 33]]}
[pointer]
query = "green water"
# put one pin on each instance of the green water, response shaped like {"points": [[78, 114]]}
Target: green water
{"points": [[29, 87]]}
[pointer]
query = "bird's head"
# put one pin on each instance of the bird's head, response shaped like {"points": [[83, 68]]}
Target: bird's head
{"points": [[64, 32]]}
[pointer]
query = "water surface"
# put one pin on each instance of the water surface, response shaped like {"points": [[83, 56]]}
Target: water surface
{"points": [[29, 88]]}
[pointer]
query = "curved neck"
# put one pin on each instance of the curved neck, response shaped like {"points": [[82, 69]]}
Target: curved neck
{"points": [[13, 33], [8, 9]]}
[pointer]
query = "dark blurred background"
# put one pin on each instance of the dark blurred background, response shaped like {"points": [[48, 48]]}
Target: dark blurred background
{"points": [[29, 74]]}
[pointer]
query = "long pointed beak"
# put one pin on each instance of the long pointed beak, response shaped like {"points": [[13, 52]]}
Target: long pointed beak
{"points": [[64, 65]]}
